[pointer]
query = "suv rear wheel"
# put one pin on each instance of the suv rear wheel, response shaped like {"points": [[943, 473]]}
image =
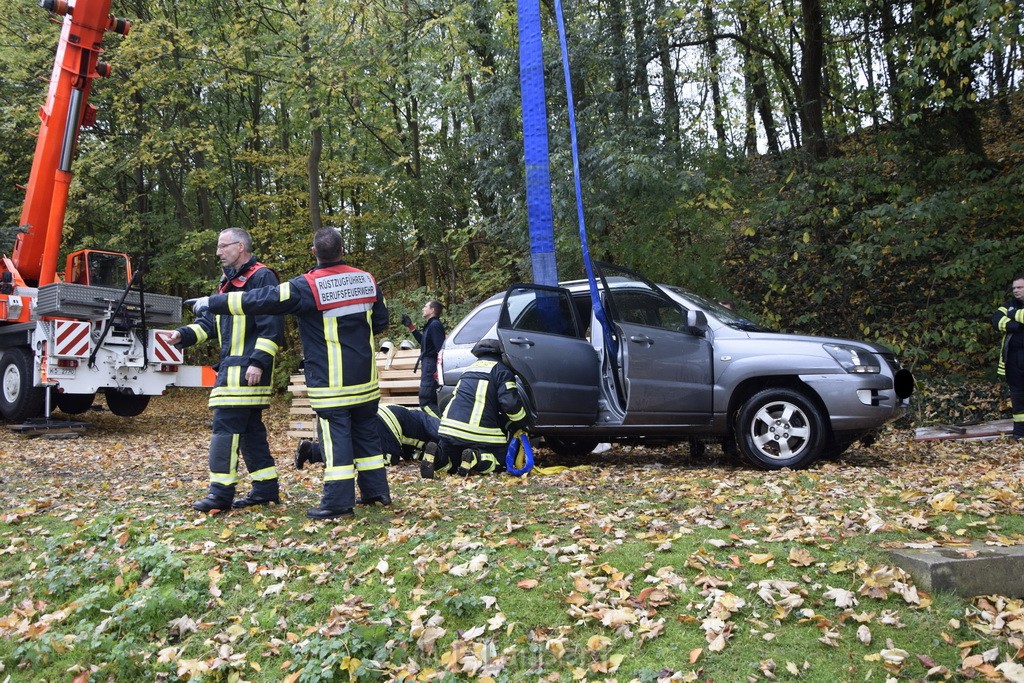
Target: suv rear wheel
{"points": [[779, 428]]}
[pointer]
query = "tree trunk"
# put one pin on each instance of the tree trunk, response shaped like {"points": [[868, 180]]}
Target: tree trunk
{"points": [[811, 117], [710, 29]]}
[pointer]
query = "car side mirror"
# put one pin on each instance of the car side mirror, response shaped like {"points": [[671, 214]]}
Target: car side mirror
{"points": [[697, 322]]}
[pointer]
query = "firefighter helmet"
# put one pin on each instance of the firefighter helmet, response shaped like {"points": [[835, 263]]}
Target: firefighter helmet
{"points": [[487, 347]]}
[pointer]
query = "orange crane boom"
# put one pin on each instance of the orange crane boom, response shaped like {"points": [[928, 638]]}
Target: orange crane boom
{"points": [[66, 110]]}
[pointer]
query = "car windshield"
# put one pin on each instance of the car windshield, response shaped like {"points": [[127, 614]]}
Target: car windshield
{"points": [[726, 315]]}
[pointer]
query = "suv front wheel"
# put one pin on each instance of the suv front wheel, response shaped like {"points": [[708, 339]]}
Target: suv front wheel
{"points": [[779, 428]]}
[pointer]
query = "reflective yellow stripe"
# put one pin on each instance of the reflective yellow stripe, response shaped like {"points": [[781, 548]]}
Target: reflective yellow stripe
{"points": [[472, 433], [237, 335], [373, 462], [200, 333], [479, 402], [235, 303], [266, 474], [340, 473], [238, 402], [332, 347], [224, 479], [247, 391], [284, 291], [492, 463], [339, 397], [518, 415], [391, 421], [267, 346]]}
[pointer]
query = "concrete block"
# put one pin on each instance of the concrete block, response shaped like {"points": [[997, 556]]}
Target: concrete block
{"points": [[976, 569]]}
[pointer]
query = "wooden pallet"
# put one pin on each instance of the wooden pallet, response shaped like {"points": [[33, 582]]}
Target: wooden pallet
{"points": [[967, 432], [398, 384]]}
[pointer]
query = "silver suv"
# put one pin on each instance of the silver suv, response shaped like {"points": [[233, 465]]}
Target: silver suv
{"points": [[669, 364]]}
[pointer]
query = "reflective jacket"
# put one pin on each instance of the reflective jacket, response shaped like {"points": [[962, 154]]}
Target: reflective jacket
{"points": [[404, 431], [485, 400], [339, 309], [1009, 319], [245, 339]]}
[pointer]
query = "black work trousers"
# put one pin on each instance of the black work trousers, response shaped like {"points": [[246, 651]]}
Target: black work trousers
{"points": [[1015, 378], [352, 454], [240, 431]]}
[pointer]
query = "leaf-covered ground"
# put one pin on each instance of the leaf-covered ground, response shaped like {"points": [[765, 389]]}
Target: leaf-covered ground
{"points": [[640, 565]]}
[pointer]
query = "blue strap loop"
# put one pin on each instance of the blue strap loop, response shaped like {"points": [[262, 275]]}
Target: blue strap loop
{"points": [[513, 450]]}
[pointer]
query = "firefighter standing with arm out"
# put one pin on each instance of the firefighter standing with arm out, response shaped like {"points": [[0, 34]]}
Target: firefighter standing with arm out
{"points": [[1009, 319], [430, 339], [339, 309], [248, 345], [476, 425]]}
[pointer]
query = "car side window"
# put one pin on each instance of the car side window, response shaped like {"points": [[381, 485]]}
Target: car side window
{"points": [[541, 310], [644, 307], [477, 326]]}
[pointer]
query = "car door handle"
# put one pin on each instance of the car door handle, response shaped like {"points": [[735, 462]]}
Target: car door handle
{"points": [[641, 339], [520, 341]]}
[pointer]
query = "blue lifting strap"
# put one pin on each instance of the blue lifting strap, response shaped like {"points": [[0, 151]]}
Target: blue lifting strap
{"points": [[513, 451]]}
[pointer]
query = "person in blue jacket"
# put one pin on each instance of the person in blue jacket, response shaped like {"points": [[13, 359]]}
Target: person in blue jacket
{"points": [[339, 310], [430, 339]]}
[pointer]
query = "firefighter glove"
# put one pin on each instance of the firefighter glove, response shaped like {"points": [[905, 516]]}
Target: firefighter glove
{"points": [[201, 306], [407, 321]]}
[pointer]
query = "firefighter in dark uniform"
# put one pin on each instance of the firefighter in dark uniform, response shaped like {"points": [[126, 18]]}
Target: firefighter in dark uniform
{"points": [[339, 309], [248, 346], [1009, 319], [403, 434], [484, 412], [430, 339]]}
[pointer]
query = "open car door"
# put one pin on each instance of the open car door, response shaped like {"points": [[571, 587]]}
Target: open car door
{"points": [[665, 367], [546, 345]]}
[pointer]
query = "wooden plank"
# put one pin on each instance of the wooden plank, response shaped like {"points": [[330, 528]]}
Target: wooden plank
{"points": [[404, 400], [964, 432], [398, 385]]}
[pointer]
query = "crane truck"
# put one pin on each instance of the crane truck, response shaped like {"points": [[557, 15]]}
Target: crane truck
{"points": [[66, 336]]}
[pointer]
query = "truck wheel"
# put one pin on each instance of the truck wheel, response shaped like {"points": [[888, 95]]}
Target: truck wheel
{"points": [[74, 404], [779, 428], [570, 448], [125, 404], [19, 400]]}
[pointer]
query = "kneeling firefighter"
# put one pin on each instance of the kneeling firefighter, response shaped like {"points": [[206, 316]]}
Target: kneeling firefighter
{"points": [[484, 412]]}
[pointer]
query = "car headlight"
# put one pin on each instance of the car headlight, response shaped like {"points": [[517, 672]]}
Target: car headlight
{"points": [[854, 360]]}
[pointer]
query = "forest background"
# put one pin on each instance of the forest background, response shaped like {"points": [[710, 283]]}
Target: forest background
{"points": [[851, 169]]}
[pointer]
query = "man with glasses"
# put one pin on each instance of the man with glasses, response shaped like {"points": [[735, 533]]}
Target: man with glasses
{"points": [[248, 346], [339, 309]]}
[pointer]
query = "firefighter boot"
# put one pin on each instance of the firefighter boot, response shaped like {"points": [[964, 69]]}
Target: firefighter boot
{"points": [[254, 499], [211, 505], [470, 458], [304, 453], [427, 463]]}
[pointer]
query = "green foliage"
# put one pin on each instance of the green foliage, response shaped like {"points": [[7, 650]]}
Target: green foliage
{"points": [[906, 248]]}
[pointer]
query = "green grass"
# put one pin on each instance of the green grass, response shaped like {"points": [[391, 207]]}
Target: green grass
{"points": [[626, 570]]}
